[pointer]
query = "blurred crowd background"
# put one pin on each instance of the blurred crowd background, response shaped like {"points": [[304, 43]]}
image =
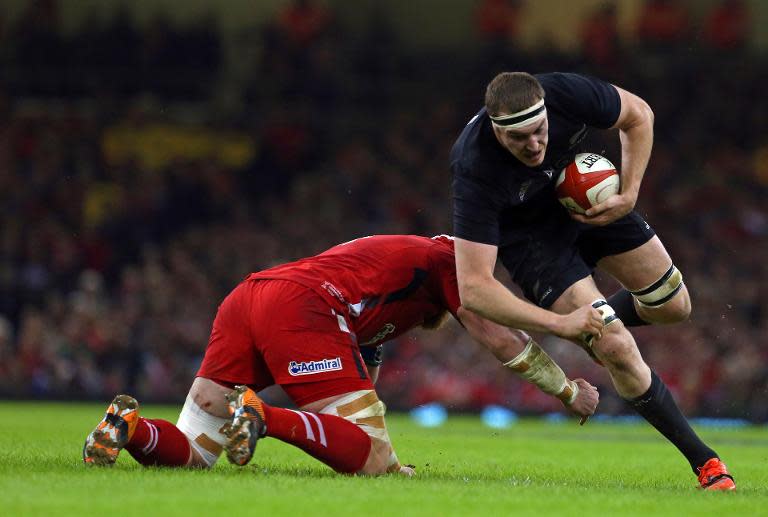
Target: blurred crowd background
{"points": [[148, 161]]}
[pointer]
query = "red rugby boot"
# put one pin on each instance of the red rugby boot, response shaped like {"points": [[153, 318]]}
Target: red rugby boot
{"points": [[247, 427], [714, 476], [104, 443]]}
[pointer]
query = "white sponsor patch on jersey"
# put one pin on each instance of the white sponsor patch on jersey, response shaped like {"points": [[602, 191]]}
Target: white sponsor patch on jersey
{"points": [[296, 368]]}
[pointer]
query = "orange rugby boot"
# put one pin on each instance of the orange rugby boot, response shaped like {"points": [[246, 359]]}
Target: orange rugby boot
{"points": [[116, 429], [714, 476], [247, 427]]}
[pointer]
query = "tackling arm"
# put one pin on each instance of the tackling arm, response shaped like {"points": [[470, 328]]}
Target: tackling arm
{"points": [[520, 353], [482, 294]]}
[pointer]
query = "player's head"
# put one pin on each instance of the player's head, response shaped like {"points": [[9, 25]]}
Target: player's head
{"points": [[515, 103]]}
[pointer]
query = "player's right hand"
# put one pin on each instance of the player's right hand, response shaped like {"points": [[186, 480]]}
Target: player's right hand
{"points": [[585, 403], [584, 320]]}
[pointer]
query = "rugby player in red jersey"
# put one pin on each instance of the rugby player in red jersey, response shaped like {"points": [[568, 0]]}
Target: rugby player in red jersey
{"points": [[302, 325]]}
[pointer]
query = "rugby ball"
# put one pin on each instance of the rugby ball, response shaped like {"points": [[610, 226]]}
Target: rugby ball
{"points": [[587, 181]]}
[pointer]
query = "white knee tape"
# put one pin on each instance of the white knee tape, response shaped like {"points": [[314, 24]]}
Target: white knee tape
{"points": [[662, 290], [202, 429], [364, 409]]}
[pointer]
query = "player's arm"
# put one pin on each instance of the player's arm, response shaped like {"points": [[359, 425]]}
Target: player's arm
{"points": [[481, 293], [635, 125], [521, 354]]}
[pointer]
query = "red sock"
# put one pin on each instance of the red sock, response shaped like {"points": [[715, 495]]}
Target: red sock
{"points": [[338, 443], [158, 442]]}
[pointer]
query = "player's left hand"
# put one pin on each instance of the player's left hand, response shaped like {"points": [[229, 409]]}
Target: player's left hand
{"points": [[613, 208]]}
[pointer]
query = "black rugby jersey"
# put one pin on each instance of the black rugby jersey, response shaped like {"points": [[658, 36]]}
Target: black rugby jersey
{"points": [[493, 192]]}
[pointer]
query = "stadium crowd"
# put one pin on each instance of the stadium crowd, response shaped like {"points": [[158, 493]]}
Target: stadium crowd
{"points": [[132, 204]]}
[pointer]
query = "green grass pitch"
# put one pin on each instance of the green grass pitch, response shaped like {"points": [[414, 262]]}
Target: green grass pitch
{"points": [[532, 468]]}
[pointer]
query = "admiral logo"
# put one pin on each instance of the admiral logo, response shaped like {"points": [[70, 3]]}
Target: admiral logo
{"points": [[590, 160], [312, 367]]}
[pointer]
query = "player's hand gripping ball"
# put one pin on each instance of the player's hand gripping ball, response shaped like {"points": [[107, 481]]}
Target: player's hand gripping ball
{"points": [[587, 181]]}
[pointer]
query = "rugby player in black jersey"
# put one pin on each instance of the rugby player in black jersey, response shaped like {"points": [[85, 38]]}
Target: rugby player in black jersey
{"points": [[505, 164]]}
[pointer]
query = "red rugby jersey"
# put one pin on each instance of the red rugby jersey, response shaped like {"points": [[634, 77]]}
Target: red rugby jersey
{"points": [[384, 284]]}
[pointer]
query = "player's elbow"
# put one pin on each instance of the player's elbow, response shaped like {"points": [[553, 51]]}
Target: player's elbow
{"points": [[471, 293], [503, 342], [467, 300], [635, 112], [646, 113]]}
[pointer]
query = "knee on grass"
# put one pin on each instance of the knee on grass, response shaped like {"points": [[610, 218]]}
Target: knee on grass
{"points": [[365, 410], [202, 431]]}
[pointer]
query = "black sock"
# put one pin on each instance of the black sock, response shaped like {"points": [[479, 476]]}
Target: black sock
{"points": [[623, 303], [660, 410]]}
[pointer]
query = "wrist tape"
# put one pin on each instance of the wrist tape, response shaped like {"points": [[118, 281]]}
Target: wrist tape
{"points": [[537, 367]]}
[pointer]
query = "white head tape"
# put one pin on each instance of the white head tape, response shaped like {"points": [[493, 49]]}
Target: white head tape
{"points": [[521, 118]]}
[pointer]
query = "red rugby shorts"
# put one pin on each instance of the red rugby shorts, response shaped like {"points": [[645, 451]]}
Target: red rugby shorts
{"points": [[279, 332]]}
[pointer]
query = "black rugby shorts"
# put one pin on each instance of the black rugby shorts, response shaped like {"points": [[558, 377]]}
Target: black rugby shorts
{"points": [[548, 257]]}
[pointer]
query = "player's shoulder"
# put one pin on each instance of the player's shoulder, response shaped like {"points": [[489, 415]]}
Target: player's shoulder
{"points": [[405, 252], [405, 247], [563, 81], [572, 87], [441, 242], [581, 97], [384, 244], [466, 145], [476, 152], [441, 249]]}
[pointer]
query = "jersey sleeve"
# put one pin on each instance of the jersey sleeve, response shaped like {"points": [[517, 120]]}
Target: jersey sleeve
{"points": [[587, 99], [443, 264], [476, 207]]}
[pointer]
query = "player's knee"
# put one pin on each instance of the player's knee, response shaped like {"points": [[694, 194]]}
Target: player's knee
{"points": [[679, 308], [378, 458], [201, 459], [210, 397], [617, 348], [202, 431], [666, 300], [364, 409]]}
